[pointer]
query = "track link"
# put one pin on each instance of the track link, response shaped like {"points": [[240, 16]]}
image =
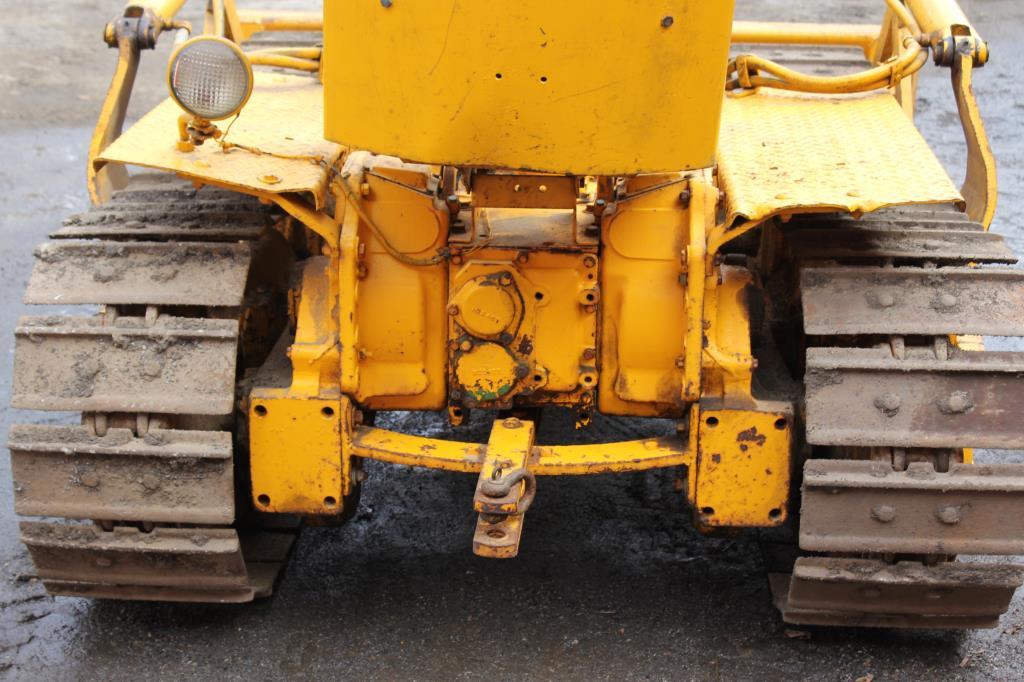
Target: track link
{"points": [[154, 373], [893, 397]]}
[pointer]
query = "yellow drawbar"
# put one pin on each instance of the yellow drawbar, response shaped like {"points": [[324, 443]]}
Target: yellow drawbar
{"points": [[590, 87]]}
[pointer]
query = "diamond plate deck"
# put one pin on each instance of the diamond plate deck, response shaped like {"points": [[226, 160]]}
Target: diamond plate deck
{"points": [[867, 300], [181, 365], [283, 122], [782, 152], [864, 506], [865, 397], [155, 273], [166, 476]]}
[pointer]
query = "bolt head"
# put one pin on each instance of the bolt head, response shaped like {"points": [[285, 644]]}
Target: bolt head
{"points": [[883, 513], [949, 515], [889, 404]]}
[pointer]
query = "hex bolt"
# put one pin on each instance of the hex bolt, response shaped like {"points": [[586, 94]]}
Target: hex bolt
{"points": [[522, 257], [949, 515], [453, 310], [667, 22], [386, 4], [888, 404], [886, 300], [883, 513], [958, 402], [505, 280]]}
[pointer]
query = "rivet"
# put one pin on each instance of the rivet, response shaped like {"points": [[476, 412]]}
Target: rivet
{"points": [[150, 482], [871, 593], [90, 480], [949, 515], [270, 179], [385, 3], [104, 562], [782, 196], [888, 404], [667, 22], [453, 310], [883, 513], [853, 193], [466, 345], [947, 300], [512, 423]]}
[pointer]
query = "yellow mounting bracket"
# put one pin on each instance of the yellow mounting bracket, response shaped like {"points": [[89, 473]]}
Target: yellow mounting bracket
{"points": [[505, 489], [980, 188]]}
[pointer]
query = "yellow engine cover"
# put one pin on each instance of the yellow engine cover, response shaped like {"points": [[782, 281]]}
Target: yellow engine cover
{"points": [[591, 87]]}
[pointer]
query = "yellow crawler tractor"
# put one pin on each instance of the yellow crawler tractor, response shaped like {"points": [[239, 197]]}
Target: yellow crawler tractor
{"points": [[652, 210]]}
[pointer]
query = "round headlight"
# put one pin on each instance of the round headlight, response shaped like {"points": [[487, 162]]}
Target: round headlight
{"points": [[210, 77]]}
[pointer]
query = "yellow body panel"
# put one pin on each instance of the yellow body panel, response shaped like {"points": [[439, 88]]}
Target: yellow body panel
{"points": [[298, 465], [393, 313], [743, 467], [552, 326], [782, 153], [575, 86], [643, 331], [277, 144]]}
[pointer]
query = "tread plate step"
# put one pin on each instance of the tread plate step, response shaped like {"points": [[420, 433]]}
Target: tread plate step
{"points": [[864, 506], [179, 365], [865, 397], [904, 588], [169, 558], [848, 240], [148, 273], [167, 476], [912, 301]]}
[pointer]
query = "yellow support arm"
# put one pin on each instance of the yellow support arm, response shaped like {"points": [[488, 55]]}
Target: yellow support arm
{"points": [[938, 15], [785, 33]]}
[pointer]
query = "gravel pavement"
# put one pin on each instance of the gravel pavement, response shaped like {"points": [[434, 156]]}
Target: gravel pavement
{"points": [[611, 581]]}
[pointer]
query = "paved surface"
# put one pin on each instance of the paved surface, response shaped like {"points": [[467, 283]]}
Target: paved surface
{"points": [[611, 582]]}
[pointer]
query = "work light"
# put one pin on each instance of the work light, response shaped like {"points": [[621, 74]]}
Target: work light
{"points": [[210, 77]]}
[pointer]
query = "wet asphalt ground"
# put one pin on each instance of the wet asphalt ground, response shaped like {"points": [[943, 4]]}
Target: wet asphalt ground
{"points": [[611, 581]]}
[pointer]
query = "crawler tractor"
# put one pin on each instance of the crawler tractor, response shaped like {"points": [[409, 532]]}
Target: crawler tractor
{"points": [[651, 210]]}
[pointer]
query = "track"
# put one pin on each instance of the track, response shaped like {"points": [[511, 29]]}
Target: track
{"points": [[154, 463], [895, 390]]}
